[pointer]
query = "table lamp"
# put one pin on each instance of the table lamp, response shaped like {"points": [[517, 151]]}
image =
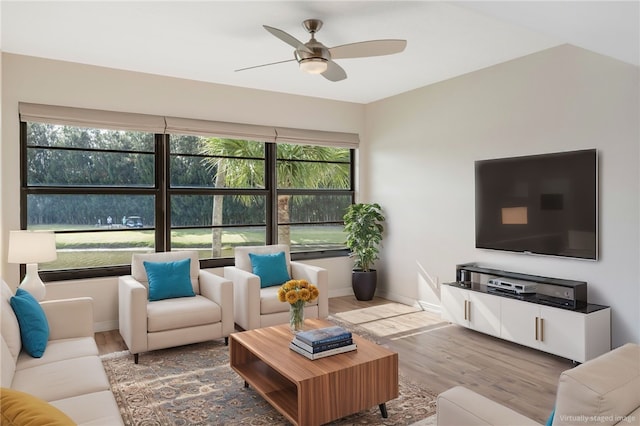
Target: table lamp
{"points": [[31, 248]]}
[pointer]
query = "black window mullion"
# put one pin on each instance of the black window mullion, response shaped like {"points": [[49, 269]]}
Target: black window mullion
{"points": [[271, 180], [163, 198]]}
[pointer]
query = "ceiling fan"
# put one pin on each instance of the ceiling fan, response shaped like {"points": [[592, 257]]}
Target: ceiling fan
{"points": [[315, 58]]}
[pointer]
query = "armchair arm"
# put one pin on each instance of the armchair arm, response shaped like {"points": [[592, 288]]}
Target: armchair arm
{"points": [[317, 276], [220, 290], [132, 313], [69, 318], [246, 297], [462, 406]]}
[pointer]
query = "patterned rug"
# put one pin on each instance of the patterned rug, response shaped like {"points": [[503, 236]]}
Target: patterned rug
{"points": [[194, 385]]}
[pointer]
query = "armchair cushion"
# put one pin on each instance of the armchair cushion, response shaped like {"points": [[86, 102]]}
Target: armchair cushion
{"points": [[34, 328], [271, 268], [270, 304], [168, 280], [165, 315]]}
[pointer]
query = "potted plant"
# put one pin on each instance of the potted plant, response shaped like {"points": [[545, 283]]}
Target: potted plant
{"points": [[363, 225]]}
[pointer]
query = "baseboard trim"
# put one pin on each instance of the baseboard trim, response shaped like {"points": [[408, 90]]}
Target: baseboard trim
{"points": [[99, 327], [430, 307], [339, 292]]}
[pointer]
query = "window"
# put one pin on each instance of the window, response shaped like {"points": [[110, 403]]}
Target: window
{"points": [[108, 193], [95, 188], [313, 191]]}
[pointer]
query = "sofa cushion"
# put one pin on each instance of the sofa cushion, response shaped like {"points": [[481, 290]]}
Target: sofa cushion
{"points": [[9, 324], [22, 409], [606, 388], [168, 280], [58, 350], [64, 379], [271, 268], [180, 313], [8, 365], [34, 328], [95, 408]]}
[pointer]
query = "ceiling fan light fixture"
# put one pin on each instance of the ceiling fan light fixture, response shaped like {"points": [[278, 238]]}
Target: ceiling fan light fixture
{"points": [[313, 65]]}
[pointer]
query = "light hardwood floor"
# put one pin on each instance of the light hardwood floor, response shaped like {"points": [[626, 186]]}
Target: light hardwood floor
{"points": [[444, 356]]}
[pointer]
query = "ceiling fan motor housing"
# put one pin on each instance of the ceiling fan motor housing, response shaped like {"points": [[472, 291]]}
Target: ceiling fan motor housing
{"points": [[318, 51]]}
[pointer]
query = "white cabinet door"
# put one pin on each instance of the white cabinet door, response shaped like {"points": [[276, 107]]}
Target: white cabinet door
{"points": [[553, 330], [562, 333], [483, 313], [471, 309], [454, 305], [518, 322]]}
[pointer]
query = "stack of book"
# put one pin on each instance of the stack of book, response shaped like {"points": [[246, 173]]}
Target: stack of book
{"points": [[323, 342]]}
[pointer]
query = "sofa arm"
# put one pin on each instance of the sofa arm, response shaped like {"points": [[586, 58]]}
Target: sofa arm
{"points": [[132, 313], [246, 297], [460, 406], [69, 318], [317, 276], [220, 290]]}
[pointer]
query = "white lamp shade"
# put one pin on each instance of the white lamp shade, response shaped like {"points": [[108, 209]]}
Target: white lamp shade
{"points": [[32, 247]]}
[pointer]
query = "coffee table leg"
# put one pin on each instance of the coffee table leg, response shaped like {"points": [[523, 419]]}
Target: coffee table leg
{"points": [[246, 385], [383, 410]]}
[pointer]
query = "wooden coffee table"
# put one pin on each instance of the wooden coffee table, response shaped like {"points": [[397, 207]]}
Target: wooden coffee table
{"points": [[314, 392]]}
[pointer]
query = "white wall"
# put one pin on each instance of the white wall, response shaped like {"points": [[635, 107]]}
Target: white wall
{"points": [[422, 146], [37, 80], [416, 159]]}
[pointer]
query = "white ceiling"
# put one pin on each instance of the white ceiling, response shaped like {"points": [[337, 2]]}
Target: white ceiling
{"points": [[208, 40]]}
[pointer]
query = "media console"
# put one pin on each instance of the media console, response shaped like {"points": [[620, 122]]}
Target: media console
{"points": [[556, 318]]}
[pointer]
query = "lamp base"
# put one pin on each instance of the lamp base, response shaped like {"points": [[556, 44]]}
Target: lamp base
{"points": [[32, 282]]}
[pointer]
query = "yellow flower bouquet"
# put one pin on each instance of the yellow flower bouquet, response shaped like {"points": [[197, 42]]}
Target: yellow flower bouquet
{"points": [[297, 293]]}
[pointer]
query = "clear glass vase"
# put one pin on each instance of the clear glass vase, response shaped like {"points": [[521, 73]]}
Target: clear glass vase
{"points": [[296, 316]]}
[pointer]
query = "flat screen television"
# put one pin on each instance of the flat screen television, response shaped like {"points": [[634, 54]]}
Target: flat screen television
{"points": [[539, 204]]}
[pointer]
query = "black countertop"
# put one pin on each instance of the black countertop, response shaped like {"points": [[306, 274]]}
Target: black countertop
{"points": [[539, 299]]}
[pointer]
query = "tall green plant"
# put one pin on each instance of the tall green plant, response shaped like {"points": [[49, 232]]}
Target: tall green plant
{"points": [[363, 225]]}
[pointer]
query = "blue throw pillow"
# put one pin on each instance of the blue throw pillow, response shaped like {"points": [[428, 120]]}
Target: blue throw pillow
{"points": [[168, 280], [271, 268], [34, 327], [550, 419]]}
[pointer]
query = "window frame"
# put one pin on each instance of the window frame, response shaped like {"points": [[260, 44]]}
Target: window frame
{"points": [[163, 191]]}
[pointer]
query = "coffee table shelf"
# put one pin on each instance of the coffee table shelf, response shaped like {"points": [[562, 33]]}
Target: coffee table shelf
{"points": [[272, 386], [315, 392]]}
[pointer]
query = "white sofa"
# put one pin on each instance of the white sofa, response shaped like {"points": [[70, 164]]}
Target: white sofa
{"points": [[69, 375], [602, 391]]}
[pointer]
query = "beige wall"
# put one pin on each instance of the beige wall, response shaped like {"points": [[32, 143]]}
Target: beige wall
{"points": [[37, 80], [422, 146]]}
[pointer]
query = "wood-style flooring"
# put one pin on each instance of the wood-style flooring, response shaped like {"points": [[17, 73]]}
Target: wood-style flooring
{"points": [[440, 357]]}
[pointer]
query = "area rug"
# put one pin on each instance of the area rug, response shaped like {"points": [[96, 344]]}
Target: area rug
{"points": [[194, 385]]}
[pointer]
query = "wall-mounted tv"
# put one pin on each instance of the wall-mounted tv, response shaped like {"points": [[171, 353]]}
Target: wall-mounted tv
{"points": [[540, 204]]}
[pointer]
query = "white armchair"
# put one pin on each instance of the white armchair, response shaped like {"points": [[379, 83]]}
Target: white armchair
{"points": [[149, 325], [256, 307]]}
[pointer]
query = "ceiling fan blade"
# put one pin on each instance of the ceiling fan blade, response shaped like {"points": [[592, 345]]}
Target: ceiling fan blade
{"points": [[364, 49], [334, 72], [265, 65], [289, 39]]}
